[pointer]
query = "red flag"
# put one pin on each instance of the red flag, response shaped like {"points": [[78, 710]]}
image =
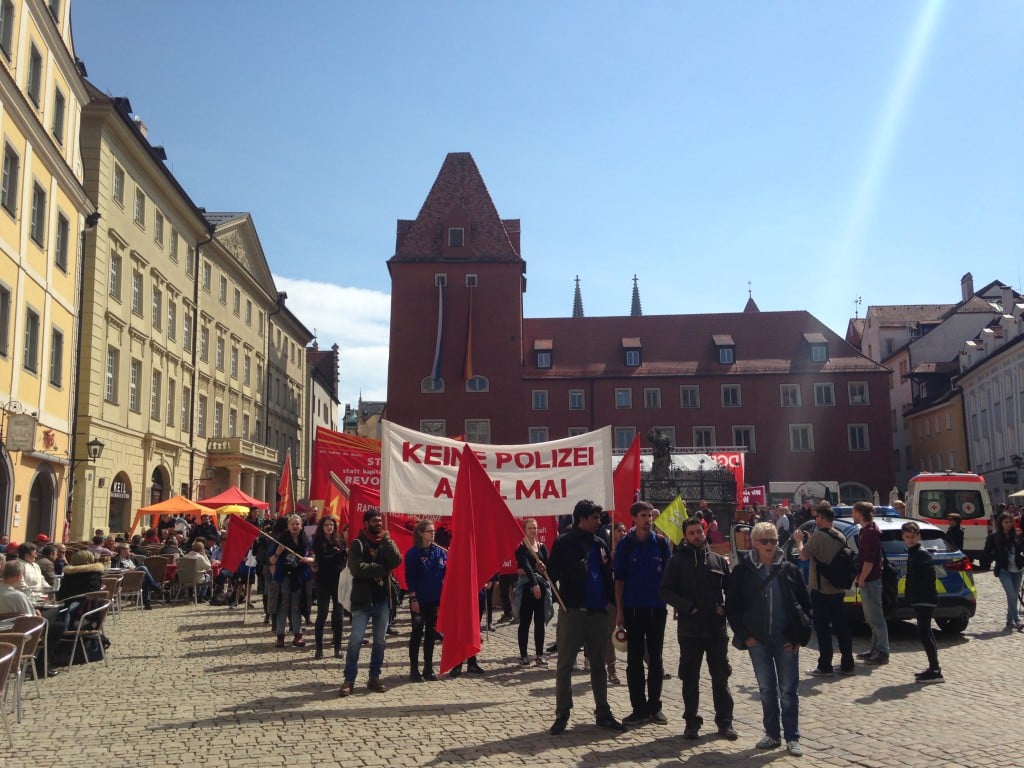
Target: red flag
{"points": [[285, 499], [336, 501], [626, 482], [400, 528], [241, 535], [361, 498], [483, 533]]}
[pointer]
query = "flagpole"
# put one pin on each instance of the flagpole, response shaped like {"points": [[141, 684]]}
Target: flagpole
{"points": [[248, 587]]}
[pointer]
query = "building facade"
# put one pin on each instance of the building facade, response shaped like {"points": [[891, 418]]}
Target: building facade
{"points": [[322, 371], [803, 403], [44, 210]]}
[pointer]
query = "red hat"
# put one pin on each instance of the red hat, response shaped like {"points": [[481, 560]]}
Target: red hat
{"points": [[12, 548], [42, 538]]}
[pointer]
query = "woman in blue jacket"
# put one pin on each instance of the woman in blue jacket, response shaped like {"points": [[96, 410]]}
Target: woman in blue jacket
{"points": [[425, 564]]}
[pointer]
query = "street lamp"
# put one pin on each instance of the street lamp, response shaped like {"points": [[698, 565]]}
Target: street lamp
{"points": [[95, 448]]}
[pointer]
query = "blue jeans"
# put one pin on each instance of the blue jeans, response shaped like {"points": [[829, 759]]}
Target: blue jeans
{"points": [[380, 613], [874, 615], [777, 678], [1011, 586]]}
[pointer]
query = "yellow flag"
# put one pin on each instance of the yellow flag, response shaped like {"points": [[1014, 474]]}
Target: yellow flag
{"points": [[671, 519]]}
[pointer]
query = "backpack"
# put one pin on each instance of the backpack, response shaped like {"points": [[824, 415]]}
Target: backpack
{"points": [[841, 570]]}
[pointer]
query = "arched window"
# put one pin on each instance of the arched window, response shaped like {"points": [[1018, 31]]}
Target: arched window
{"points": [[478, 384], [431, 384]]}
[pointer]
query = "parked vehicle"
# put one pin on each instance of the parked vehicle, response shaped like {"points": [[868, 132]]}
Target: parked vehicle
{"points": [[933, 496], [958, 597]]}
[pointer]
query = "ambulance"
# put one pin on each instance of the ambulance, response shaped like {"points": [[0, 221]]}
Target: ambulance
{"points": [[933, 496]]}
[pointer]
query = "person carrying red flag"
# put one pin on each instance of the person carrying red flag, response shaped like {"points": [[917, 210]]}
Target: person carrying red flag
{"points": [[371, 558], [581, 566]]}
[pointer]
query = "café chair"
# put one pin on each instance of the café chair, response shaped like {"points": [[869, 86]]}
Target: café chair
{"points": [[131, 588], [8, 655], [112, 586], [18, 640], [34, 627], [89, 624], [188, 577], [157, 565]]}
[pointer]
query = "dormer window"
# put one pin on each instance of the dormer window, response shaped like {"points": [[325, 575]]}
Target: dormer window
{"points": [[725, 347], [631, 350], [456, 237], [542, 349], [818, 346]]}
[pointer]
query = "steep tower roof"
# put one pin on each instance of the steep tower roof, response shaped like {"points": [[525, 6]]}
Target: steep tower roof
{"points": [[459, 200], [635, 309], [751, 305], [577, 300]]}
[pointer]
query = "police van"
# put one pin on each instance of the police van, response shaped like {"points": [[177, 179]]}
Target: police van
{"points": [[933, 496]]}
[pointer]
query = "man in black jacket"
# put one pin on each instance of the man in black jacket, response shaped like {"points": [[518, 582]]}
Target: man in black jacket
{"points": [[695, 583], [579, 563]]}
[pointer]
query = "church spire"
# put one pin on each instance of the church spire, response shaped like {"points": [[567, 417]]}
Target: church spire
{"points": [[577, 300], [635, 310]]}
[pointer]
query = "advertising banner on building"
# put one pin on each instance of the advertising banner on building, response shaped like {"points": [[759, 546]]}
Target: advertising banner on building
{"points": [[733, 461], [535, 479]]}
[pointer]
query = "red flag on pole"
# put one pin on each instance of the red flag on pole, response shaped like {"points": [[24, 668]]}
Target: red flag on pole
{"points": [[626, 483], [484, 532], [241, 535], [336, 501], [286, 501]]}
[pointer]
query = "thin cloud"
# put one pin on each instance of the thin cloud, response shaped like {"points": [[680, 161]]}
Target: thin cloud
{"points": [[357, 320]]}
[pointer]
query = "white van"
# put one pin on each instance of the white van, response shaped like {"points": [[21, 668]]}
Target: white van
{"points": [[933, 496]]}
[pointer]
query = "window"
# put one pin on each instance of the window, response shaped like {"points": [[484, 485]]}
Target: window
{"points": [[237, 303], [223, 293], [158, 308], [245, 426], [37, 226], [186, 329], [652, 397], [201, 417], [234, 362], [544, 359], [7, 27], [55, 9], [858, 392], [117, 189], [172, 387], [477, 384], [59, 107], [744, 436], [632, 358], [857, 437], [703, 437], [790, 395], [248, 312], [172, 319], [259, 318], [577, 400], [61, 246], [731, 396], [186, 405], [949, 421], [155, 400], [158, 228], [190, 261], [472, 281], [140, 208], [478, 430], [440, 280], [575, 431], [9, 183], [232, 422], [204, 344], [207, 276], [174, 245], [31, 341], [538, 435], [34, 86], [456, 237], [432, 384], [5, 320], [218, 419], [623, 398], [824, 394], [689, 396], [622, 438], [56, 358], [540, 399], [137, 292], [113, 363], [134, 381], [726, 355], [246, 369], [220, 353], [819, 353], [801, 438]]}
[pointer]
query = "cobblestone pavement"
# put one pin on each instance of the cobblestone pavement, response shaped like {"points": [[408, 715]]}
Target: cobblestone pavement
{"points": [[188, 685]]}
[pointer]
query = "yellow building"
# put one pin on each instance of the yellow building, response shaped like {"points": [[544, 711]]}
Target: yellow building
{"points": [[43, 212]]}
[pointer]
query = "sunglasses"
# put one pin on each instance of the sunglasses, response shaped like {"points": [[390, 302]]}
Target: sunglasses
{"points": [[768, 541]]}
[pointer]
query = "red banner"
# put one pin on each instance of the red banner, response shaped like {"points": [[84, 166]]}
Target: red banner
{"points": [[733, 461], [356, 460], [754, 495]]}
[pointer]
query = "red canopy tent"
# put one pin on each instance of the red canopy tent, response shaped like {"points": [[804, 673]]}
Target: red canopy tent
{"points": [[234, 495]]}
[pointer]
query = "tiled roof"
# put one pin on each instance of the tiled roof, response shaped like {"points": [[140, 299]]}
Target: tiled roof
{"points": [[907, 313], [765, 342], [459, 197], [216, 219]]}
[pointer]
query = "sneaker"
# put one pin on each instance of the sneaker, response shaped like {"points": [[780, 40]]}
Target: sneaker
{"points": [[634, 719], [866, 655], [415, 676], [1018, 625], [475, 669], [728, 733], [658, 718], [429, 676], [540, 661], [921, 674], [523, 661], [877, 660], [613, 679], [817, 672], [848, 670], [931, 676], [691, 732], [794, 748], [609, 722], [768, 742]]}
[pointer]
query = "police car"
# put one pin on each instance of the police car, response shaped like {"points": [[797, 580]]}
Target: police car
{"points": [[954, 580]]}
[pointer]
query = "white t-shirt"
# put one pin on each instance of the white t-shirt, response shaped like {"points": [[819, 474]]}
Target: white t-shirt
{"points": [[33, 578]]}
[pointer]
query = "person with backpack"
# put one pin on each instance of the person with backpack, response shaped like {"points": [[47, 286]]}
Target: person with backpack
{"points": [[831, 574], [640, 561]]}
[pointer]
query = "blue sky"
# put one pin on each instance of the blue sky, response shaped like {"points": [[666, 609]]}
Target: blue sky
{"points": [[818, 151]]}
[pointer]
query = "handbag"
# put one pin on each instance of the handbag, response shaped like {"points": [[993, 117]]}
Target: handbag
{"points": [[345, 589]]}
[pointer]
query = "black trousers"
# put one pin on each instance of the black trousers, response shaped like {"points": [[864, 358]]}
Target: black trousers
{"points": [[924, 634], [327, 599], [424, 626], [531, 609], [828, 618], [692, 651], [645, 630]]}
